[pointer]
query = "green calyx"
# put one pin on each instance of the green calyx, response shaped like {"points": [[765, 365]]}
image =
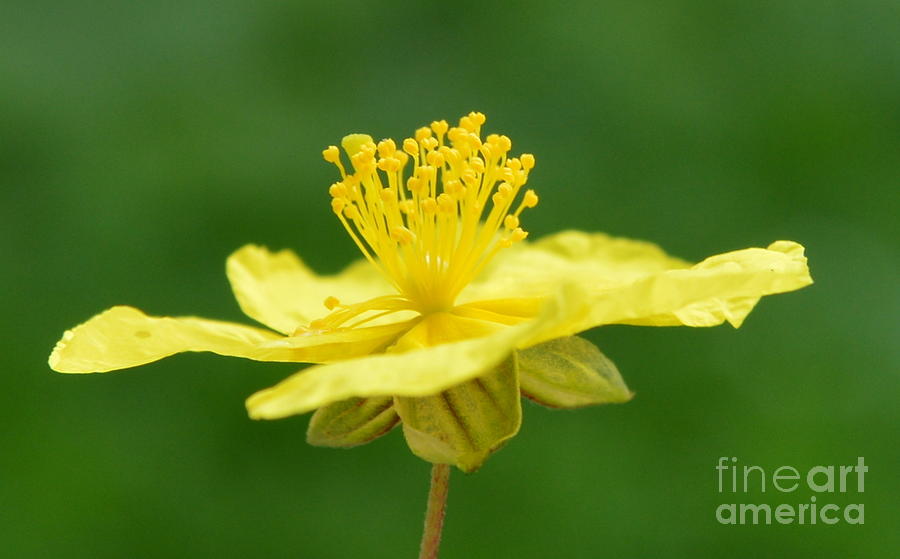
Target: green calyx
{"points": [[570, 373], [352, 422], [466, 423]]}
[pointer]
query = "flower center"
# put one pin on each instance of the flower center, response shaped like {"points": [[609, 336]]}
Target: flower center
{"points": [[432, 214]]}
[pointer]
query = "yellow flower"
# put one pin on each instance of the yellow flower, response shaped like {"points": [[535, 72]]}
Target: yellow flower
{"points": [[452, 314]]}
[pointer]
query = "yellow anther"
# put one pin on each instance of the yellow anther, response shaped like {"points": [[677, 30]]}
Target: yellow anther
{"points": [[337, 205], [388, 194], [426, 172], [440, 127], [354, 143], [453, 187], [429, 205], [331, 302], [505, 144], [435, 158], [511, 222], [452, 156], [487, 150], [331, 154], [402, 235], [477, 164], [401, 157], [362, 160], [474, 141], [423, 133], [411, 147], [505, 189], [515, 236], [350, 212], [514, 163], [467, 123], [527, 161], [429, 143], [446, 203], [507, 174], [414, 184], [470, 177], [386, 147], [338, 190], [389, 164], [520, 178], [407, 206], [445, 152], [456, 134], [530, 200], [477, 118]]}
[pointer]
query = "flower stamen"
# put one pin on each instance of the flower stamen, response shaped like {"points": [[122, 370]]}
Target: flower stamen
{"points": [[425, 227]]}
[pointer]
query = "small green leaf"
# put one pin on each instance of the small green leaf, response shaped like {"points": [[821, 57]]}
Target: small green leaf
{"points": [[352, 422], [570, 373], [466, 423]]}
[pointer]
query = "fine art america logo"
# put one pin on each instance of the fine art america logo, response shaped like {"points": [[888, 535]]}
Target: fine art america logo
{"points": [[822, 481]]}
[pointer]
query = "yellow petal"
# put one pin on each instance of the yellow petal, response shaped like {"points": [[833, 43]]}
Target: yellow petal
{"points": [[443, 327], [633, 282], [594, 260], [123, 337], [721, 288], [418, 372], [278, 290], [337, 345]]}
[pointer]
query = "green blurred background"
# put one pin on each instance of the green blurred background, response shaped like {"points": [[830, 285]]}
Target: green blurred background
{"points": [[140, 143]]}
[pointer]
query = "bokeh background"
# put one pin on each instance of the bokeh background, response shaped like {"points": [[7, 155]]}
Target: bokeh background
{"points": [[142, 142]]}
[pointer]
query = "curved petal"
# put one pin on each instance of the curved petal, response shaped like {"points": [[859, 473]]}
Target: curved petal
{"points": [[594, 260], [279, 290], [721, 288], [417, 372], [630, 282], [337, 345], [123, 337]]}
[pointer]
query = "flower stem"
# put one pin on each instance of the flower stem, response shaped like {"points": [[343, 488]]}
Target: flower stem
{"points": [[434, 514]]}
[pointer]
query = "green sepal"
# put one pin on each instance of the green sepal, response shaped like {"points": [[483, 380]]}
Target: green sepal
{"points": [[570, 373], [464, 424], [352, 422]]}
